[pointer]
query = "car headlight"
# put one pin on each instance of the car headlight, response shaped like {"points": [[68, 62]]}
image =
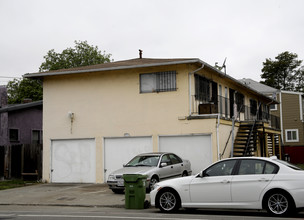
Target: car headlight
{"points": [[111, 177], [156, 186]]}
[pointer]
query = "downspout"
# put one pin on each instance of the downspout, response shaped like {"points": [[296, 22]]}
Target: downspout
{"points": [[232, 138], [218, 137], [190, 97], [281, 118]]}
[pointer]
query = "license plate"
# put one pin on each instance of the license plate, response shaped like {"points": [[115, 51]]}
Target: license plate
{"points": [[120, 183]]}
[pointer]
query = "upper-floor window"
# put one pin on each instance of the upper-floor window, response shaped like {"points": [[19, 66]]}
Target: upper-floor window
{"points": [[273, 107], [36, 137], [253, 107], [206, 91], [14, 134], [239, 100], [292, 135], [158, 82]]}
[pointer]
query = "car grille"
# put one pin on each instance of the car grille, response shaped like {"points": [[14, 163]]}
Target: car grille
{"points": [[118, 177]]}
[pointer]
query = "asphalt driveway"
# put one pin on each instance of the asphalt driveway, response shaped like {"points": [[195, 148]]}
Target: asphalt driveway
{"points": [[90, 195]]}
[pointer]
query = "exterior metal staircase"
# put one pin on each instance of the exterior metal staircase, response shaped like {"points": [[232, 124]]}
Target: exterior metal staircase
{"points": [[246, 141]]}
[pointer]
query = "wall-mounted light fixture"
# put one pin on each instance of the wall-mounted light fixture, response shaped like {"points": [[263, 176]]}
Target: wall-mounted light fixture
{"points": [[71, 115]]}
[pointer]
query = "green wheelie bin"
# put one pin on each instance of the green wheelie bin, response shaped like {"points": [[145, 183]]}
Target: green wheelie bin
{"points": [[135, 190]]}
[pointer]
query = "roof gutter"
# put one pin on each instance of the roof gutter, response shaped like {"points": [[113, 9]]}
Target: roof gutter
{"points": [[42, 74], [21, 106]]}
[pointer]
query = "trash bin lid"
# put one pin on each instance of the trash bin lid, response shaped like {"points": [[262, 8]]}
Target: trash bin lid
{"points": [[132, 178]]}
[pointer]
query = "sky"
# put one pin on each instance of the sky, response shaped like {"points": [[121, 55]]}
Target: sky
{"points": [[246, 32]]}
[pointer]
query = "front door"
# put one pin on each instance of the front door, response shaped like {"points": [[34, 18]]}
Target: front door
{"points": [[231, 98]]}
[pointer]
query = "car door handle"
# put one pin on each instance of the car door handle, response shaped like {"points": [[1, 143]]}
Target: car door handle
{"points": [[225, 181], [263, 180]]}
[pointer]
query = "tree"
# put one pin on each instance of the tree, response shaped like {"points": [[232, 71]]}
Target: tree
{"points": [[300, 80], [82, 55], [20, 89], [281, 73]]}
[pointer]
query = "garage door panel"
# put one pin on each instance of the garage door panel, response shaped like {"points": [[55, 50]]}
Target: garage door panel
{"points": [[196, 148], [73, 161], [119, 151]]}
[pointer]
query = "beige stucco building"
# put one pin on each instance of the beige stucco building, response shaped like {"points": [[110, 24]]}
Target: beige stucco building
{"points": [[96, 118]]}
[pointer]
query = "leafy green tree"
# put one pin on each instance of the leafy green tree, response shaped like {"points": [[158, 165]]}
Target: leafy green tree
{"points": [[20, 89], [82, 55], [300, 80], [281, 73]]}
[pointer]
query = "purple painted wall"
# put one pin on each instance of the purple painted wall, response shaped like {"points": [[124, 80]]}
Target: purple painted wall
{"points": [[23, 117], [3, 117], [25, 120]]}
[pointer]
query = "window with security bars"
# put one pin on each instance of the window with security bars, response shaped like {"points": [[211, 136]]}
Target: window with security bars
{"points": [[253, 107], [158, 82], [239, 100], [202, 89]]}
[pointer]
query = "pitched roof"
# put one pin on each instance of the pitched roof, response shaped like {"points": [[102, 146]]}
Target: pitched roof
{"points": [[118, 65], [258, 86], [16, 107]]}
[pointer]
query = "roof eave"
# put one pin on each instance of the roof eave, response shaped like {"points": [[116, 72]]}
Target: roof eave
{"points": [[21, 106], [43, 74]]}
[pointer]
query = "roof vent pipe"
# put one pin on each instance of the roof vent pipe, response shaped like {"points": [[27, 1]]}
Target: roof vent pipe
{"points": [[140, 54]]}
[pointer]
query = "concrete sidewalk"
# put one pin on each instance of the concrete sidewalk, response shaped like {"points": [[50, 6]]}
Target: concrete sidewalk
{"points": [[87, 195]]}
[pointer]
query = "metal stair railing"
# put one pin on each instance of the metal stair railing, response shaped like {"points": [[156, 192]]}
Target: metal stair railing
{"points": [[233, 122], [251, 131]]}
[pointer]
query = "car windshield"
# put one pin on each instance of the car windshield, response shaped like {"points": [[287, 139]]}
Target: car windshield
{"points": [[144, 160], [292, 166]]}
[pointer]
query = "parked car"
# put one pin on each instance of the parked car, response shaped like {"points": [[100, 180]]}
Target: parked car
{"points": [[236, 183], [157, 166]]}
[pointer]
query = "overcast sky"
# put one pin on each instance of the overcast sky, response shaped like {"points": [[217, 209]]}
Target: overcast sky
{"points": [[246, 32]]}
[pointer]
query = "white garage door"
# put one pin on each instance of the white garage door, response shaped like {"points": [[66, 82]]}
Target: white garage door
{"points": [[196, 148], [119, 151], [73, 161]]}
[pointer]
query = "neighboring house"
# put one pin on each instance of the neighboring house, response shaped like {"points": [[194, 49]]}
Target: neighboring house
{"points": [[20, 138], [96, 118], [291, 112]]}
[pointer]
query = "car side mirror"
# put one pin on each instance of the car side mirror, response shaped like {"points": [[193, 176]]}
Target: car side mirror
{"points": [[201, 174], [163, 164]]}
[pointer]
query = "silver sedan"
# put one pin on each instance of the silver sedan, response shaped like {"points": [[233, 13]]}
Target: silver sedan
{"points": [[157, 166]]}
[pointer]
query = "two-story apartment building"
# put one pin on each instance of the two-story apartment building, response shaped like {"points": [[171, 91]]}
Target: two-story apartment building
{"points": [[96, 118], [291, 113]]}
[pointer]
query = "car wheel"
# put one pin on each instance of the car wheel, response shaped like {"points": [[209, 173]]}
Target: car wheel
{"points": [[153, 181], [118, 191], [168, 201], [185, 173], [279, 204]]}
